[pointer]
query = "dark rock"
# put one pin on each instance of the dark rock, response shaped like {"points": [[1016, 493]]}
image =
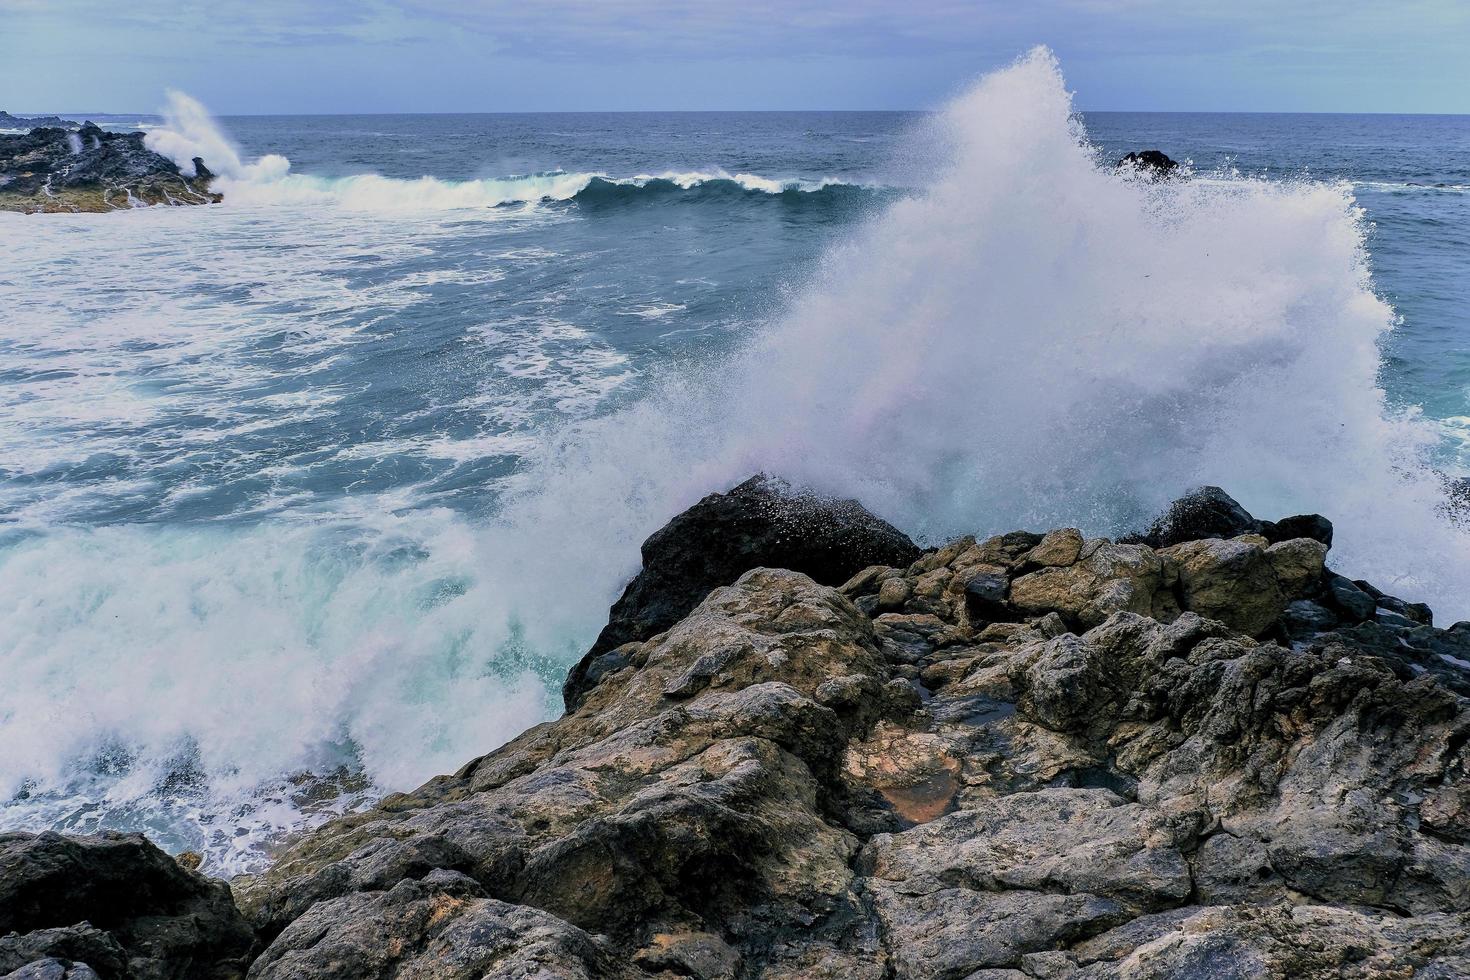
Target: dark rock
{"points": [[1350, 601], [986, 594], [54, 169], [171, 923], [7, 121], [1313, 526], [80, 943], [760, 523], [1305, 617], [1154, 163], [1207, 512], [1417, 612], [54, 969]]}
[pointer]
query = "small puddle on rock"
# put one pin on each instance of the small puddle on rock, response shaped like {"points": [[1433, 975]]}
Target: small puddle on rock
{"points": [[925, 800]]}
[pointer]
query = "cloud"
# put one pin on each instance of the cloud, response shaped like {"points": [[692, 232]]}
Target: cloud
{"points": [[513, 53]]}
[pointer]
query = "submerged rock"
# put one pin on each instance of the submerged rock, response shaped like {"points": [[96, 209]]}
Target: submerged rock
{"points": [[1024, 756], [53, 169], [1155, 163]]}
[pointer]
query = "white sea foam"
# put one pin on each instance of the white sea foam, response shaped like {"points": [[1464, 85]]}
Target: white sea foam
{"points": [[1038, 341], [189, 132], [251, 655], [1032, 341]]}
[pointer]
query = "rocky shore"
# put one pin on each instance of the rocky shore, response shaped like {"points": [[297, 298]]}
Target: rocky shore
{"points": [[57, 169], [7, 121], [805, 747]]}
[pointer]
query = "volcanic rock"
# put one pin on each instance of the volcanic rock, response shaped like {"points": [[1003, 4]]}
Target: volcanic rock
{"points": [[53, 169], [118, 904], [1154, 163], [760, 523], [7, 121]]}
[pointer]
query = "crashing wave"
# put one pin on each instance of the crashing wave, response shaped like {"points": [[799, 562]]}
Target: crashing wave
{"points": [[189, 132]]}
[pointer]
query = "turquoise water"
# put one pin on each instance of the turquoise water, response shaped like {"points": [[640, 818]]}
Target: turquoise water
{"points": [[315, 493]]}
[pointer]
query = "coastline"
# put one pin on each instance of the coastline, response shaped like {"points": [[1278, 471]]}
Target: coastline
{"points": [[52, 170], [1195, 752]]}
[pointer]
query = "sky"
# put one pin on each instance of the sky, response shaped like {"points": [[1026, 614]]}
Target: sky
{"points": [[330, 56]]}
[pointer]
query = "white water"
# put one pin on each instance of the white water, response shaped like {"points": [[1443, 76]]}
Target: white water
{"points": [[1034, 341], [189, 132]]}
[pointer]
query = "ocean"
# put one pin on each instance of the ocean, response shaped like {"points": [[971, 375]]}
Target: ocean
{"points": [[311, 495]]}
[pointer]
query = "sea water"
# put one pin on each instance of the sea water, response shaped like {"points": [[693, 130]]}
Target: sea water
{"points": [[316, 493]]}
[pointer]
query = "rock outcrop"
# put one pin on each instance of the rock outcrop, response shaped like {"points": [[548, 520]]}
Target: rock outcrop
{"points": [[7, 121], [761, 522], [1046, 756], [54, 169], [115, 907]]}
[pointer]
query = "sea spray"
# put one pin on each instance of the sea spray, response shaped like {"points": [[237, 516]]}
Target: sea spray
{"points": [[189, 132], [1038, 341], [1032, 340]]}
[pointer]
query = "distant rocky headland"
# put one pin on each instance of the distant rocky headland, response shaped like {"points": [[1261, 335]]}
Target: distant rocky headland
{"points": [[7, 121], [56, 169], [806, 747]]}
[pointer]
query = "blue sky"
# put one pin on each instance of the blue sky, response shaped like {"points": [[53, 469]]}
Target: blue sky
{"points": [[528, 55]]}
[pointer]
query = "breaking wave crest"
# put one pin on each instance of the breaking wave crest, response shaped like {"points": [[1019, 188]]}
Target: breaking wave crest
{"points": [[1031, 341], [189, 132], [1035, 341]]}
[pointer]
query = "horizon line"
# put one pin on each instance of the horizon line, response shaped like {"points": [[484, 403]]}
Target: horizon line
{"points": [[692, 112]]}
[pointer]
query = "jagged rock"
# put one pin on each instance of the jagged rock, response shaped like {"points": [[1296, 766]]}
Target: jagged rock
{"points": [[53, 169], [1057, 549], [760, 523], [7, 121], [440, 927], [1109, 578], [639, 807], [1232, 581], [132, 899], [794, 782], [1207, 512]]}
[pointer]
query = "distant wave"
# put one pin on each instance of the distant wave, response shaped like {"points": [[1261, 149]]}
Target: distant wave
{"points": [[1409, 187], [189, 132], [371, 192]]}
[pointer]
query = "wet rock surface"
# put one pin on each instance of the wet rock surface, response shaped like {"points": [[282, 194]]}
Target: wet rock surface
{"points": [[118, 905], [760, 523], [89, 169], [8, 121], [1025, 756], [1154, 163]]}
